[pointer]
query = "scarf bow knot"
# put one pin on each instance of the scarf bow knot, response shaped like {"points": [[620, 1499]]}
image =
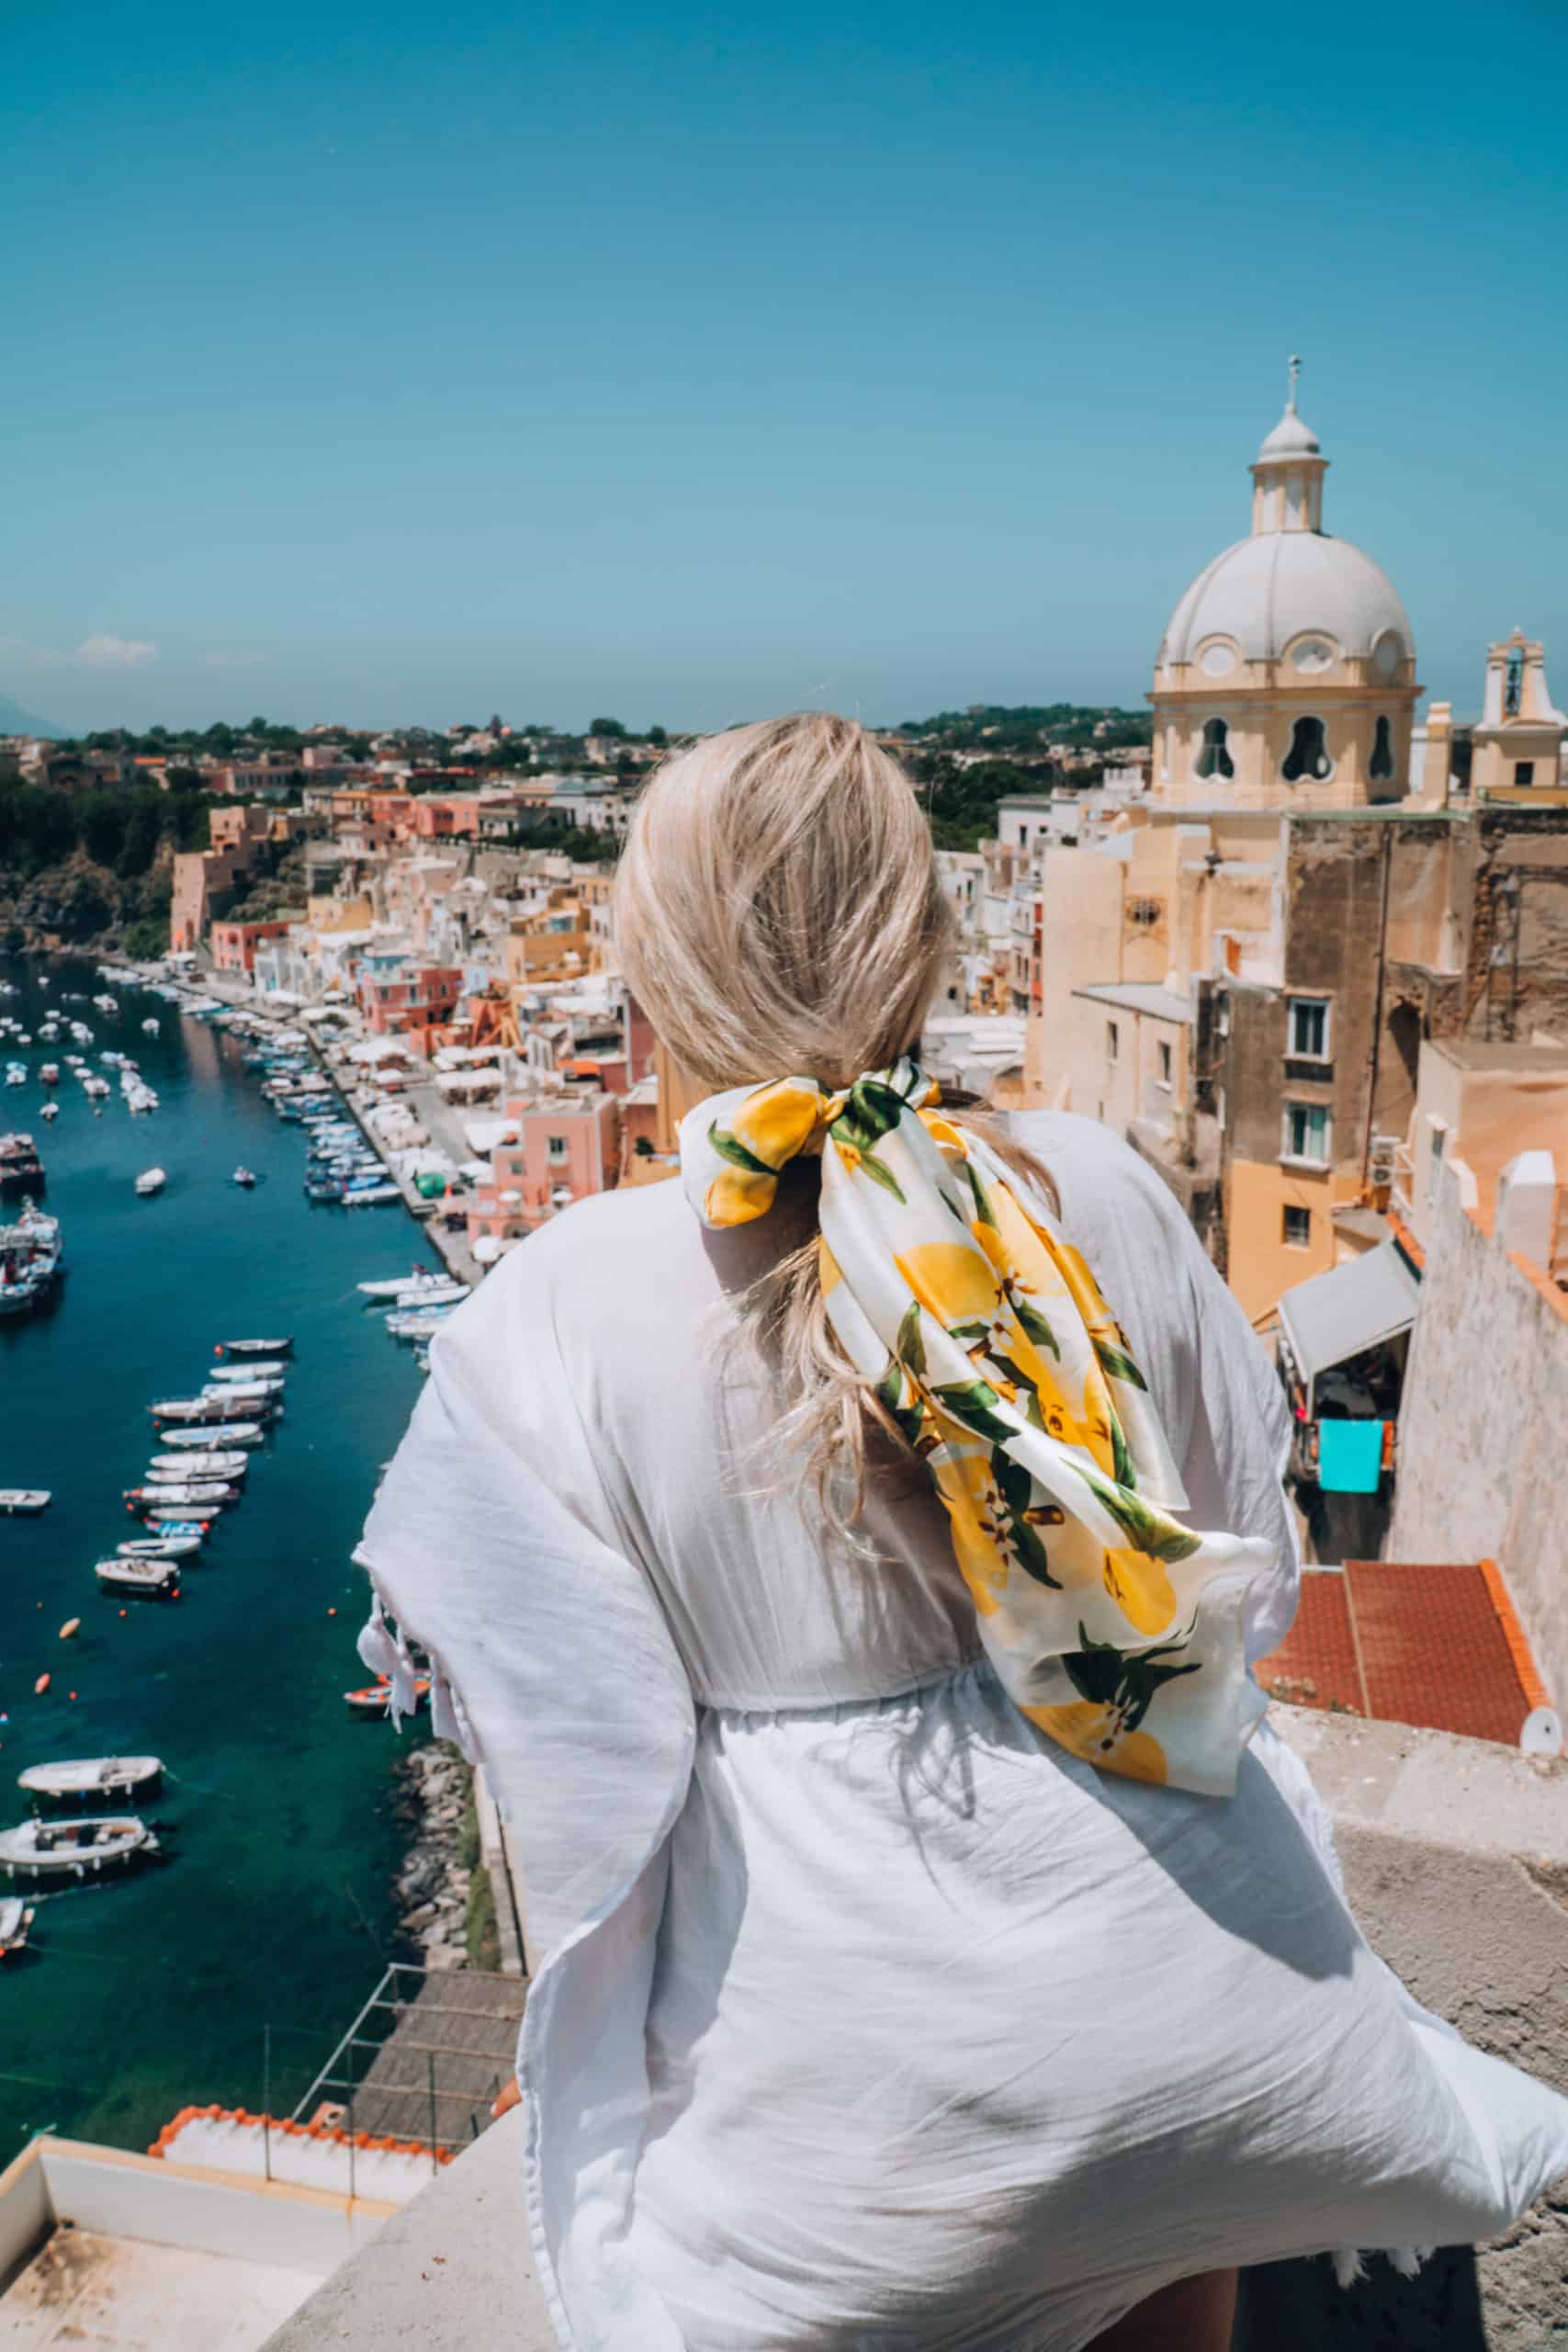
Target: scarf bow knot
{"points": [[983, 1332]]}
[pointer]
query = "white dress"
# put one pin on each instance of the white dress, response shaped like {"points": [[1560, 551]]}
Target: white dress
{"points": [[869, 2019]]}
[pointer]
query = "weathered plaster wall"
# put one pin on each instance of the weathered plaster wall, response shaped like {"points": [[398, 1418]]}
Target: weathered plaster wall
{"points": [[1484, 1429]]}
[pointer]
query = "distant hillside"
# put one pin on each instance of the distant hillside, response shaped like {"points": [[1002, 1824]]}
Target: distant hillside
{"points": [[15, 720], [997, 726]]}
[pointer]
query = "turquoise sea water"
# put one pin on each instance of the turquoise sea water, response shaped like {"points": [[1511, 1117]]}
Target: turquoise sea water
{"points": [[152, 1992]]}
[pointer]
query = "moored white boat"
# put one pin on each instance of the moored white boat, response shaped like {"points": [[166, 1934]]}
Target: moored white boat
{"points": [[215, 1433], [151, 1180], [24, 1499], [159, 1547], [218, 1407], [195, 1465], [431, 1294], [82, 1848], [255, 1368], [255, 1347], [16, 1920], [395, 1285], [154, 1577], [105, 1777], [164, 1494]]}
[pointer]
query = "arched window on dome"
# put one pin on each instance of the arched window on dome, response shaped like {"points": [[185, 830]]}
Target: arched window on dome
{"points": [[1308, 755], [1381, 767], [1214, 756]]}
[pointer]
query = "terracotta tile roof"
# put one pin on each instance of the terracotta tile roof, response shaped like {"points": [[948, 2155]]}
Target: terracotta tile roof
{"points": [[1437, 1647]]}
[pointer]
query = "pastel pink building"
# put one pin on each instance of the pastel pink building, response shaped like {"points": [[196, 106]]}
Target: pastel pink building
{"points": [[565, 1150], [234, 944]]}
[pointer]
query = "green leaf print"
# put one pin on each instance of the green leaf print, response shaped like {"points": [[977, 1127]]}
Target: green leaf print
{"points": [[880, 1173], [911, 1347], [1149, 1530], [982, 1208], [891, 1391], [1120, 1366], [970, 1401], [874, 1108], [725, 1144], [1120, 1460], [1034, 1325], [1017, 1488], [1128, 1680]]}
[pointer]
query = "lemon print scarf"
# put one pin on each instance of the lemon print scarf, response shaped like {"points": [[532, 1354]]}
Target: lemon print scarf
{"points": [[950, 1288]]}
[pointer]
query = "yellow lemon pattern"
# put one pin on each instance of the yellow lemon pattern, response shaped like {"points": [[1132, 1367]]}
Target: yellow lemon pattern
{"points": [[985, 1342]]}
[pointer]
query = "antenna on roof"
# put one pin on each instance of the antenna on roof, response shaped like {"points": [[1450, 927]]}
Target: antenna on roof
{"points": [[1296, 376]]}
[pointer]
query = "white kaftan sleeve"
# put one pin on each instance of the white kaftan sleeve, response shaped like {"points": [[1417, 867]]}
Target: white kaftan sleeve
{"points": [[494, 1547]]}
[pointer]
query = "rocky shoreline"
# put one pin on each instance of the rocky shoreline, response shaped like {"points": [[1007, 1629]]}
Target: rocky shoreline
{"points": [[434, 1886]]}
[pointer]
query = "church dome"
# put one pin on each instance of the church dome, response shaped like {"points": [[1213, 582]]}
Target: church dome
{"points": [[1268, 591]]}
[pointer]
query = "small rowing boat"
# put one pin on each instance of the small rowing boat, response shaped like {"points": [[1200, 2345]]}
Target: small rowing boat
{"points": [[255, 1347], [104, 1777], [24, 1499], [255, 1368], [208, 1493], [215, 1433], [376, 1698], [157, 1580], [75, 1850], [231, 1467], [159, 1547], [15, 1919]]}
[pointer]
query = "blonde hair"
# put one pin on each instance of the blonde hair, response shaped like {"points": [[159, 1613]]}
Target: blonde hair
{"points": [[778, 912]]}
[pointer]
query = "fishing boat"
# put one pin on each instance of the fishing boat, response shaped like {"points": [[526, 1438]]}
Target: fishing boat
{"points": [[376, 1698], [192, 1410], [156, 1524], [208, 1493], [396, 1285], [255, 1347], [425, 1294], [49, 1074], [245, 1177], [195, 1464], [149, 1579], [15, 1919], [23, 1500], [215, 1433], [159, 1547], [151, 1180], [49, 1111], [370, 1196], [107, 1778], [418, 1323], [75, 1850], [150, 1026], [254, 1368], [21, 1170]]}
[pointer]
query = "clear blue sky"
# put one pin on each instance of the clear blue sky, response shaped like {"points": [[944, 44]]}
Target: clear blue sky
{"points": [[408, 362]]}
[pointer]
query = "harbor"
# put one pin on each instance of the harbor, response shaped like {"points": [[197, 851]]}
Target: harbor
{"points": [[228, 1955]]}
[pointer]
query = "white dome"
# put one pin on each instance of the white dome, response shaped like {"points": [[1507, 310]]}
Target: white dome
{"points": [[1266, 591]]}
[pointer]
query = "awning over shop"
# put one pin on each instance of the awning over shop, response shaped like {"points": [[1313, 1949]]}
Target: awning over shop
{"points": [[1339, 1314]]}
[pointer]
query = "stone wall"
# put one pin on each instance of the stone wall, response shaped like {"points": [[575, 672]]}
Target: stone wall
{"points": [[1483, 1425]]}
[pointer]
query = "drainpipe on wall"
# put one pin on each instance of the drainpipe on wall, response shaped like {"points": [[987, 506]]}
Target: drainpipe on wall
{"points": [[1377, 1018]]}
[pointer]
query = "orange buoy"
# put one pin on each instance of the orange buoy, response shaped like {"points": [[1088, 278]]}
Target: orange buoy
{"points": [[71, 1625], [40, 1686], [332, 1613], [71, 1695]]}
